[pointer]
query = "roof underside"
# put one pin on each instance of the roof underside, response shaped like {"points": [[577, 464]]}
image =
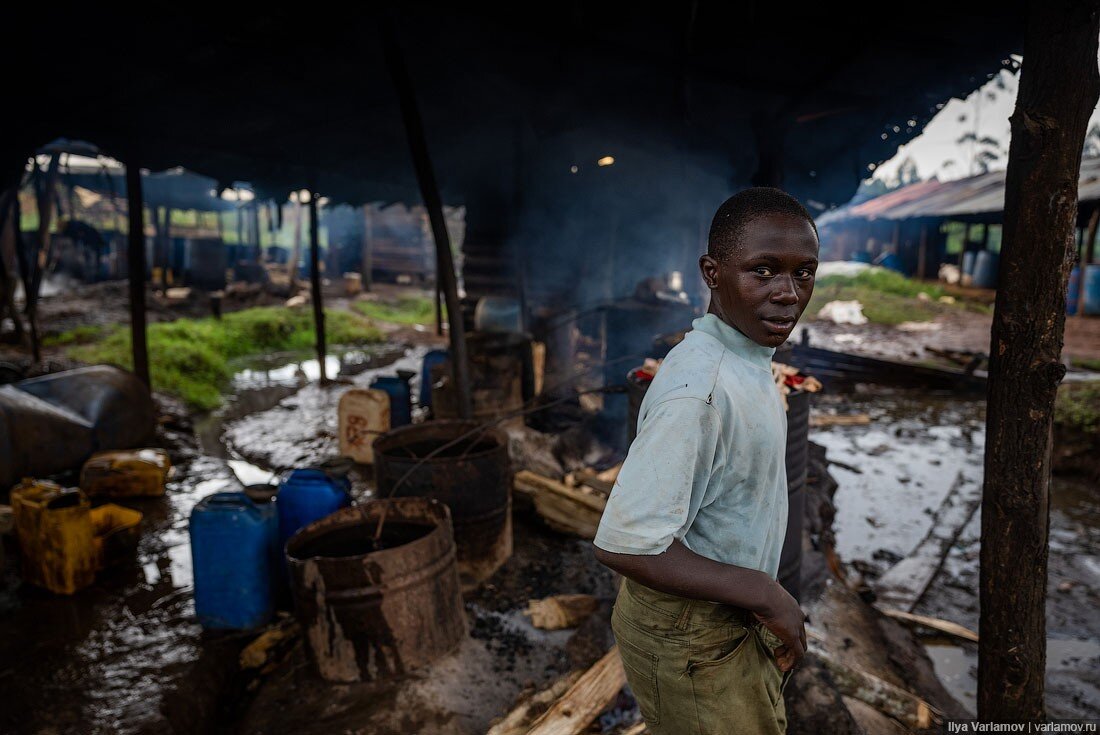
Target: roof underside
{"points": [[285, 98]]}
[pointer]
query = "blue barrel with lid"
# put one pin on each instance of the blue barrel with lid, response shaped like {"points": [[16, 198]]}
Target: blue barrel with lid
{"points": [[985, 269], [400, 398], [968, 263], [1073, 292], [233, 553], [1091, 284], [308, 495]]}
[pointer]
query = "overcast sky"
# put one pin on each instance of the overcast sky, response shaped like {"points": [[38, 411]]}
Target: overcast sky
{"points": [[936, 151]]}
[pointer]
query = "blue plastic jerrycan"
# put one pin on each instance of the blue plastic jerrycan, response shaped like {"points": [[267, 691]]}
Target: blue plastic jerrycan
{"points": [[307, 495], [400, 399], [233, 552]]}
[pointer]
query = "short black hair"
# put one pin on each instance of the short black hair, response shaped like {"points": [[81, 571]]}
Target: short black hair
{"points": [[741, 208]]}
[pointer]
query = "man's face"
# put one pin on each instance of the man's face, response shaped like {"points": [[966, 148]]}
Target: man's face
{"points": [[763, 286]]}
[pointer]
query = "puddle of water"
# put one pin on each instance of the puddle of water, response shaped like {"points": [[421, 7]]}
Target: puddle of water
{"points": [[104, 659], [301, 429], [907, 459], [299, 368], [957, 666]]}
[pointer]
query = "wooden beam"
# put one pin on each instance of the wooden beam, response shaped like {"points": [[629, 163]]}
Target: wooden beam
{"points": [[135, 259], [429, 192], [315, 284], [1058, 90]]}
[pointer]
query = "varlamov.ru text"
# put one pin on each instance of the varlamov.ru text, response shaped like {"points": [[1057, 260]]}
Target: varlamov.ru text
{"points": [[973, 726]]}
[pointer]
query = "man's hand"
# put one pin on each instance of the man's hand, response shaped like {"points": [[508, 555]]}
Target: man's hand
{"points": [[680, 571], [782, 616]]}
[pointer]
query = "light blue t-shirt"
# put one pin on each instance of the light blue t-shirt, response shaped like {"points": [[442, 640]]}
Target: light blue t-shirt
{"points": [[708, 464]]}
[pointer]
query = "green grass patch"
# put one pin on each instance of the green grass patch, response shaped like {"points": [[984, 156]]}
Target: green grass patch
{"points": [[1078, 406], [79, 336], [189, 358], [887, 297], [408, 310], [1086, 364]]}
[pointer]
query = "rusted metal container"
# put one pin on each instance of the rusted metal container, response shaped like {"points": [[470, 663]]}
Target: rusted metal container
{"points": [[473, 478], [502, 378], [376, 609]]}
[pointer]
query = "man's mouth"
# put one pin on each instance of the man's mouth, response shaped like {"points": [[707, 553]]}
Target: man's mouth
{"points": [[780, 324]]}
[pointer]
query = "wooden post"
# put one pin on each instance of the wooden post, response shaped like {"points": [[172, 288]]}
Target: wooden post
{"points": [[315, 283], [296, 248], [135, 257], [1058, 90], [1087, 254], [429, 191]]}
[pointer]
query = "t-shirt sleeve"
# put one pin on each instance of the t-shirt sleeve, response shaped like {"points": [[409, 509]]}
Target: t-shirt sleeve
{"points": [[662, 481]]}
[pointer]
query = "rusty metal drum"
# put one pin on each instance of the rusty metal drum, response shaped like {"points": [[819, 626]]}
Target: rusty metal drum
{"points": [[471, 474], [372, 605]]}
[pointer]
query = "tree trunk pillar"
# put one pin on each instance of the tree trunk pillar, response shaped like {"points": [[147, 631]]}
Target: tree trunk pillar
{"points": [[1059, 85]]}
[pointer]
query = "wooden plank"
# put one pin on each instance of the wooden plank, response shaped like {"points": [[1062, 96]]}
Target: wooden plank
{"points": [[518, 721], [936, 624], [905, 707], [904, 584], [586, 699]]}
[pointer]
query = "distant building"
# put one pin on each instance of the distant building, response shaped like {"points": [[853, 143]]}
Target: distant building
{"points": [[921, 226]]}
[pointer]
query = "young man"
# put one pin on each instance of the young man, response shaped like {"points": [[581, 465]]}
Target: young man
{"points": [[695, 522]]}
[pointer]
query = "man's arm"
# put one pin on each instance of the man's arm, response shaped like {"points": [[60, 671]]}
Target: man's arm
{"points": [[680, 571]]}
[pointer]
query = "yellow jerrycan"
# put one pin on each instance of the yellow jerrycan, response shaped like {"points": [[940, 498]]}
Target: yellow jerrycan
{"points": [[56, 535]]}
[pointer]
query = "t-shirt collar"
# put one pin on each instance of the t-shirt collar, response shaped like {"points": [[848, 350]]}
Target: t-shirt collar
{"points": [[734, 341]]}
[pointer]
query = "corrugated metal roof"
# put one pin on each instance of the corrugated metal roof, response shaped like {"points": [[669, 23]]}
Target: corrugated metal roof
{"points": [[975, 195]]}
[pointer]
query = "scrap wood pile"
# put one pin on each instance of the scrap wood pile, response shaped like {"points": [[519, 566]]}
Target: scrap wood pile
{"points": [[573, 505], [571, 704]]}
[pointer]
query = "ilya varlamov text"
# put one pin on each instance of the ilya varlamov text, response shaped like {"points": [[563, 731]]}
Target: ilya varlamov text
{"points": [[969, 726]]}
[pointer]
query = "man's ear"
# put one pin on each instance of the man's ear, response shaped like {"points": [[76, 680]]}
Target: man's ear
{"points": [[708, 266]]}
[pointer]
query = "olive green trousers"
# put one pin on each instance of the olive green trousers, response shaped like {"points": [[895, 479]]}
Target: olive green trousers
{"points": [[698, 668]]}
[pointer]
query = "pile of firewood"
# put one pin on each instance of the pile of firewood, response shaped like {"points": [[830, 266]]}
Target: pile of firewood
{"points": [[572, 506]]}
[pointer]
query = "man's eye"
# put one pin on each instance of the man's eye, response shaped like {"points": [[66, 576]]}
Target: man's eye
{"points": [[762, 271], [804, 274]]}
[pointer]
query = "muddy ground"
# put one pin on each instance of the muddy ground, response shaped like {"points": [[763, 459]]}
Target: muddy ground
{"points": [[893, 475], [126, 656]]}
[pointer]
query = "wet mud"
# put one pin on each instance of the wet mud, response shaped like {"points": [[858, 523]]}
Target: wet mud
{"points": [[895, 472]]}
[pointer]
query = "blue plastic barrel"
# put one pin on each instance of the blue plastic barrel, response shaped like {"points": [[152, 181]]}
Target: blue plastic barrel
{"points": [[400, 399], [968, 263], [431, 359], [1073, 292], [985, 269], [1091, 284], [308, 495], [233, 545]]}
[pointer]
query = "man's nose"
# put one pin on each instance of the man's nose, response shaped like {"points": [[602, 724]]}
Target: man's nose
{"points": [[784, 292]]}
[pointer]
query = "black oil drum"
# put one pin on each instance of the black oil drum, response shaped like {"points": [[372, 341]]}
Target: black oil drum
{"points": [[472, 476]]}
